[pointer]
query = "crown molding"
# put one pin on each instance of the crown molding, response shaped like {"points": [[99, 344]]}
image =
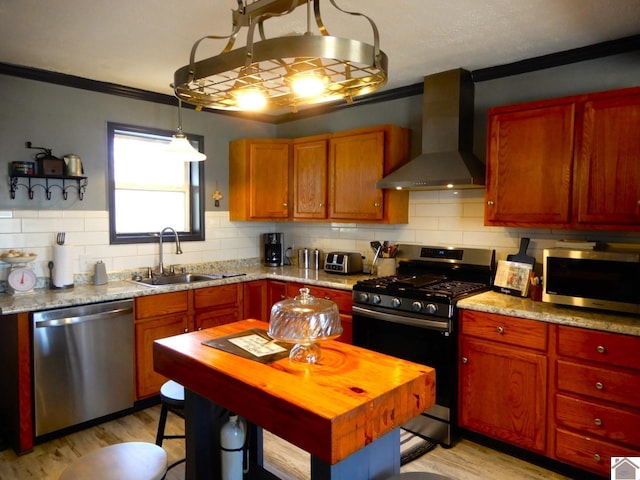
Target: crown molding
{"points": [[604, 49]]}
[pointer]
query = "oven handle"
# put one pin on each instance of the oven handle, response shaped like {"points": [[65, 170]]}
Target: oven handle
{"points": [[392, 317]]}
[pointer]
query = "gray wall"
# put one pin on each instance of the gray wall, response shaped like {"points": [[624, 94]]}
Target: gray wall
{"points": [[69, 120], [75, 121]]}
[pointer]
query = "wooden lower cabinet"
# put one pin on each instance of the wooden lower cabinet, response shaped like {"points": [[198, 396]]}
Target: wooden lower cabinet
{"points": [[503, 385], [255, 300], [596, 397], [167, 314], [567, 393], [218, 305]]}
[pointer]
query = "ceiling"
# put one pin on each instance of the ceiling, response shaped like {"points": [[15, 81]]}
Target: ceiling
{"points": [[141, 43]]}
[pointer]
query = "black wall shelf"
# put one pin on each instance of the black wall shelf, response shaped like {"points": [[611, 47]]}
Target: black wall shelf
{"points": [[63, 182]]}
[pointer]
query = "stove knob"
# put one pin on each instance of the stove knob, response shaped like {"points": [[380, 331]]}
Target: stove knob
{"points": [[432, 308], [396, 302], [416, 306], [376, 299], [363, 297]]}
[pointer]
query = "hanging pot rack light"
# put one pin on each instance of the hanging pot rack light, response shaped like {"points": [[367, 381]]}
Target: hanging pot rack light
{"points": [[338, 68]]}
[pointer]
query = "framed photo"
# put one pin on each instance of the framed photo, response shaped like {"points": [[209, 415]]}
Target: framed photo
{"points": [[512, 278]]}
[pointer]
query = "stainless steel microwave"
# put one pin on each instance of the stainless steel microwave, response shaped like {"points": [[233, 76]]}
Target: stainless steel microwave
{"points": [[602, 279]]}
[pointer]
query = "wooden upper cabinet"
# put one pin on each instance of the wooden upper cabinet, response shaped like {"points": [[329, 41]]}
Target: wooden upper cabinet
{"points": [[328, 177], [310, 178], [356, 163], [259, 179], [609, 160], [572, 162], [529, 164], [358, 159]]}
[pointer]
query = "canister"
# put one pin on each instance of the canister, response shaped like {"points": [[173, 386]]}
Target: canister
{"points": [[310, 258]]}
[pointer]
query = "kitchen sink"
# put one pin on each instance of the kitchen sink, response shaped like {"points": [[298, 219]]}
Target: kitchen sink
{"points": [[158, 281]]}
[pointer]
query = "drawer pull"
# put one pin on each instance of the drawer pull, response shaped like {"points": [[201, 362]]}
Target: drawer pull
{"points": [[465, 360], [186, 330], [599, 386], [600, 349], [598, 422], [596, 457], [500, 330]]}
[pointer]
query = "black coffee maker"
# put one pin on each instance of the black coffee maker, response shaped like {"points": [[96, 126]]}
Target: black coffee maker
{"points": [[273, 249]]}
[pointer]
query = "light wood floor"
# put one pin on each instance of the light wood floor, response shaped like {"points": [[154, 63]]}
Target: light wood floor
{"points": [[465, 461]]}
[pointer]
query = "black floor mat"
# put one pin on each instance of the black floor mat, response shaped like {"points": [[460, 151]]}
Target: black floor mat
{"points": [[413, 446]]}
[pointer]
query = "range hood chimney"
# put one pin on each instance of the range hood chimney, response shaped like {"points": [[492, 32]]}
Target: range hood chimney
{"points": [[447, 161]]}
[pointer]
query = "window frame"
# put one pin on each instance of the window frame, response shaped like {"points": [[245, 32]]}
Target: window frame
{"points": [[196, 189]]}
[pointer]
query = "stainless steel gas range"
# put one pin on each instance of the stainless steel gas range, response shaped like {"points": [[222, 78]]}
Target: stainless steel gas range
{"points": [[412, 315]]}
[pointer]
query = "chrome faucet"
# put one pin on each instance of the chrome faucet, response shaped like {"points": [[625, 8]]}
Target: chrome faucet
{"points": [[178, 248]]}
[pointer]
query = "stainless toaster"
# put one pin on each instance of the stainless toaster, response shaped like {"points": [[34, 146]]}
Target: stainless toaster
{"points": [[343, 262]]}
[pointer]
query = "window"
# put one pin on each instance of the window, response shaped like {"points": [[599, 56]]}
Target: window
{"points": [[148, 191]]}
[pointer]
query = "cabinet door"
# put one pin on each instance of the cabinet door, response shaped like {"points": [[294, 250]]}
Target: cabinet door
{"points": [[259, 179], [356, 163], [276, 291], [310, 180], [255, 300], [217, 316], [148, 382], [529, 165], [503, 393], [609, 161], [268, 181]]}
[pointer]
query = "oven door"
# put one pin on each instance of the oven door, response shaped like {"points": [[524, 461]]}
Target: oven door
{"points": [[425, 340]]}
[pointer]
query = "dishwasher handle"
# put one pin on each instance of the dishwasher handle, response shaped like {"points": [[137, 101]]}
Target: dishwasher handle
{"points": [[64, 321]]}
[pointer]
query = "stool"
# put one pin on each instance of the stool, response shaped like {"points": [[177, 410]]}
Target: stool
{"points": [[130, 460], [172, 400]]}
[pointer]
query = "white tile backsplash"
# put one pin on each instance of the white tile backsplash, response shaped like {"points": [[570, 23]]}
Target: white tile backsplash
{"points": [[435, 218]]}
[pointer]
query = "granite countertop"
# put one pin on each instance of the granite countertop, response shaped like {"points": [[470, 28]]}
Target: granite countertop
{"points": [[491, 302], [494, 302], [43, 299]]}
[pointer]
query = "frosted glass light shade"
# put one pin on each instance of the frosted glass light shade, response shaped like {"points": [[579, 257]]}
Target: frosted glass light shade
{"points": [[180, 149]]}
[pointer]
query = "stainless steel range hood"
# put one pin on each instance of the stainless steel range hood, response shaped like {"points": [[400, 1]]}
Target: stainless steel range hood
{"points": [[447, 160]]}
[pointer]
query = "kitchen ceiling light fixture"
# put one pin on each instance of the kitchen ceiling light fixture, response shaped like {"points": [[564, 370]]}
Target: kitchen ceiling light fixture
{"points": [[289, 71], [180, 148]]}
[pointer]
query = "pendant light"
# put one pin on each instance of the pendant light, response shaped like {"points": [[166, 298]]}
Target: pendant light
{"points": [[180, 148], [336, 68]]}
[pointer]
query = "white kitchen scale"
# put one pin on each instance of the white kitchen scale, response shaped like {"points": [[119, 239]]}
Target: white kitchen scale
{"points": [[21, 278]]}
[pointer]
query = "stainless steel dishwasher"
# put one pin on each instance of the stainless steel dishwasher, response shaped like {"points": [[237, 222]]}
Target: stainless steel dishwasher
{"points": [[83, 363]]}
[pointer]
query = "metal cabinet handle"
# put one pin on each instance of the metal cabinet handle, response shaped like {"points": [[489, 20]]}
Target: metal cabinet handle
{"points": [[285, 204], [596, 457], [599, 385], [465, 360], [186, 330], [490, 203], [500, 330], [321, 204], [377, 204], [600, 349], [598, 422]]}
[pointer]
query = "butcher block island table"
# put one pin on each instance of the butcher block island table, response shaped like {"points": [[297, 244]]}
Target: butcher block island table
{"points": [[345, 410]]}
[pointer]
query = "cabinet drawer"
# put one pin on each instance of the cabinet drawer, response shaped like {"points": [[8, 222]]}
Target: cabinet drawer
{"points": [[216, 296], [602, 347], [614, 385], [595, 419], [501, 328], [162, 304], [342, 298], [589, 453]]}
